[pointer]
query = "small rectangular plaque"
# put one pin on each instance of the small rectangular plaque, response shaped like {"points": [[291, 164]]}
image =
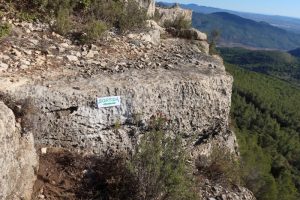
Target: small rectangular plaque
{"points": [[104, 102]]}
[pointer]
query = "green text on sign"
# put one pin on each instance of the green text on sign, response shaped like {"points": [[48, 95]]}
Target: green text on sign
{"points": [[104, 102]]}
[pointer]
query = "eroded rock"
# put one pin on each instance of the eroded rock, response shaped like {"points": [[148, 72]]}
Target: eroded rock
{"points": [[172, 14], [18, 159]]}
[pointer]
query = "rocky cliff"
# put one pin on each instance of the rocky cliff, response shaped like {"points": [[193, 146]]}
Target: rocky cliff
{"points": [[18, 159], [149, 5], [173, 77]]}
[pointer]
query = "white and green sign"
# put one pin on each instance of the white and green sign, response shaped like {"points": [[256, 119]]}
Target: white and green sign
{"points": [[104, 102]]}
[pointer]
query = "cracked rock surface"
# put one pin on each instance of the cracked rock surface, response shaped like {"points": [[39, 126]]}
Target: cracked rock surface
{"points": [[176, 78]]}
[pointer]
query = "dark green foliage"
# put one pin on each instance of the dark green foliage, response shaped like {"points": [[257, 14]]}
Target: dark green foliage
{"points": [[266, 117], [160, 165], [276, 63], [93, 31], [244, 32], [62, 23], [5, 30], [132, 17]]}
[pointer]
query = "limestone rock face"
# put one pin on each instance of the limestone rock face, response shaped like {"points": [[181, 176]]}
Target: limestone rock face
{"points": [[18, 159], [171, 14], [192, 100], [149, 5], [171, 77], [175, 78]]}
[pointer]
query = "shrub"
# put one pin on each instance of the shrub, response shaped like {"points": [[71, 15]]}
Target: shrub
{"points": [[5, 30], [179, 23], [26, 16], [109, 178], [161, 168], [132, 17], [221, 166], [157, 16], [214, 37], [62, 24], [93, 31]]}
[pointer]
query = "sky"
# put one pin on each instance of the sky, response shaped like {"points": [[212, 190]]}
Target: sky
{"points": [[289, 8]]}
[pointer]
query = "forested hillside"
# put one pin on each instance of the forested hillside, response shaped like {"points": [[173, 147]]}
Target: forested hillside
{"points": [[295, 52], [266, 116], [276, 63], [239, 31]]}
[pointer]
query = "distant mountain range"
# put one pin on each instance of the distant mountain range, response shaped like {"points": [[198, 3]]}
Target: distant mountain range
{"points": [[287, 23], [246, 29], [238, 31]]}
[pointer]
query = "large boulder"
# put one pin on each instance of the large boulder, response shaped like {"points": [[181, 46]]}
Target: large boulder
{"points": [[153, 25], [171, 14], [18, 159]]}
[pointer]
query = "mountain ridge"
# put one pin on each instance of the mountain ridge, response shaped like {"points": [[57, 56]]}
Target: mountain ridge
{"points": [[240, 31]]}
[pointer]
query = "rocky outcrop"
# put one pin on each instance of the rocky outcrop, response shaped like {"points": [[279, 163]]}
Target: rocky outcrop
{"points": [[171, 77], [171, 14], [175, 78], [18, 159], [149, 5], [191, 34]]}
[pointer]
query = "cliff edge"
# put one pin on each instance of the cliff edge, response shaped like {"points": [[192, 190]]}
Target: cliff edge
{"points": [[57, 83]]}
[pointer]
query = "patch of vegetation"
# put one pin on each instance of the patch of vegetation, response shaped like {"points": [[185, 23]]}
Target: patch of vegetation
{"points": [[222, 167], [213, 39], [266, 116], [5, 30], [132, 17], [98, 14], [160, 165], [62, 22], [93, 31]]}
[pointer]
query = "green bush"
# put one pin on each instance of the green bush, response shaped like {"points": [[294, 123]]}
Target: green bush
{"points": [[62, 24], [26, 16], [93, 31], [5, 30], [161, 168], [132, 17]]}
